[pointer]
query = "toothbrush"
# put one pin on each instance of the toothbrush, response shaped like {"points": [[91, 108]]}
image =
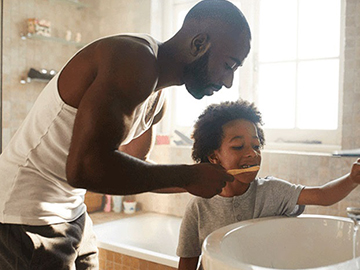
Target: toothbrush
{"points": [[238, 171]]}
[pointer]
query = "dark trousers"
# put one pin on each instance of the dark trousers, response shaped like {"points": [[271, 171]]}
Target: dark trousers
{"points": [[64, 246]]}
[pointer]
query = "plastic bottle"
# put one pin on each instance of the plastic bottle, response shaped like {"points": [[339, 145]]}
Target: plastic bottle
{"points": [[107, 207]]}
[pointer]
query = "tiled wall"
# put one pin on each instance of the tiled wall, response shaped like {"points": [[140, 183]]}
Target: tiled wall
{"points": [[312, 170], [124, 16], [20, 55], [99, 18], [351, 98], [110, 260]]}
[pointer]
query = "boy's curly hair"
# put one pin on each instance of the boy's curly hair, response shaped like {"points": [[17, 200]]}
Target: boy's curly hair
{"points": [[208, 131]]}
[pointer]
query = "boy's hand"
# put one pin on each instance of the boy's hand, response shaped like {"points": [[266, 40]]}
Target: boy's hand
{"points": [[355, 172], [208, 180]]}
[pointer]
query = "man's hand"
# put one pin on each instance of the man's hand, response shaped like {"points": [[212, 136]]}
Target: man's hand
{"points": [[355, 172], [208, 180]]}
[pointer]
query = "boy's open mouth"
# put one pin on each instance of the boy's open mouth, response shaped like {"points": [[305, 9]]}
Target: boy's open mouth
{"points": [[248, 166]]}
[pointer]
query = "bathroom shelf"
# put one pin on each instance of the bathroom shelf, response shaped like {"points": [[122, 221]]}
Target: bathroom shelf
{"points": [[41, 75], [73, 2], [53, 39], [29, 80]]}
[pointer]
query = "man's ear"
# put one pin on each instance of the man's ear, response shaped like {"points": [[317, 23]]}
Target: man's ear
{"points": [[213, 159], [199, 44]]}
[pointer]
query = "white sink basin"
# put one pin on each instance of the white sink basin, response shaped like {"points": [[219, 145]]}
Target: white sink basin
{"points": [[305, 242]]}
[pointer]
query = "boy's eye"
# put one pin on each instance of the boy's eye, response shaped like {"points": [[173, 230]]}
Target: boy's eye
{"points": [[255, 147]]}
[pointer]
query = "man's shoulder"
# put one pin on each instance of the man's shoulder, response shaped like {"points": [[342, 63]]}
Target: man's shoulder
{"points": [[124, 45], [121, 58]]}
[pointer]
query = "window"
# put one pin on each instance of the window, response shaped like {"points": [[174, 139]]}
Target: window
{"points": [[292, 72], [298, 69]]}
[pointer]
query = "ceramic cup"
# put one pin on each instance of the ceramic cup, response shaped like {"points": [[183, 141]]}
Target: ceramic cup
{"points": [[129, 207]]}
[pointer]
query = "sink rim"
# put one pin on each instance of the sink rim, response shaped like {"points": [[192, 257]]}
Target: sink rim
{"points": [[212, 243]]}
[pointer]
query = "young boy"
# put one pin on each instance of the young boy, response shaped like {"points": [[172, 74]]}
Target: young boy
{"points": [[230, 134]]}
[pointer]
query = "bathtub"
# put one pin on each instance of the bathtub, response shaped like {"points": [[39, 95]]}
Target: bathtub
{"points": [[150, 237]]}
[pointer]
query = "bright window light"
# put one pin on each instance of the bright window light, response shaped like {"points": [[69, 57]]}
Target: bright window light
{"points": [[319, 28], [277, 94], [317, 99], [298, 63], [277, 38]]}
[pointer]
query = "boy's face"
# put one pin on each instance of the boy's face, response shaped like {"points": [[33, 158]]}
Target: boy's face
{"points": [[240, 148]]}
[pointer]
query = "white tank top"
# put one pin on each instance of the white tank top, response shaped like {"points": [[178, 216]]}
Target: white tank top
{"points": [[33, 186]]}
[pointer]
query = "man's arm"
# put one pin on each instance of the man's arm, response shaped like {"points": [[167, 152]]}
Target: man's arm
{"points": [[141, 147], [122, 81], [333, 191]]}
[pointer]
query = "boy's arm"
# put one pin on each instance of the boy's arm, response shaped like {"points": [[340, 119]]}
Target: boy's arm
{"points": [[188, 263], [331, 192]]}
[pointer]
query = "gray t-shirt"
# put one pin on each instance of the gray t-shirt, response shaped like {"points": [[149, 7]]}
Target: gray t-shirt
{"points": [[264, 198]]}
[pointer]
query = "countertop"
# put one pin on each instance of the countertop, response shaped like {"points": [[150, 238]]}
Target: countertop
{"points": [[102, 217]]}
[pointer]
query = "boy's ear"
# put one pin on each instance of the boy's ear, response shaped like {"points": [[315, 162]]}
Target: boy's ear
{"points": [[199, 45], [213, 159]]}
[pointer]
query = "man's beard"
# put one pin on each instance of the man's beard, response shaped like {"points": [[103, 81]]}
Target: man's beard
{"points": [[196, 76]]}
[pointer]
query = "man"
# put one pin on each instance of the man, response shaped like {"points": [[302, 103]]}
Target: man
{"points": [[91, 129]]}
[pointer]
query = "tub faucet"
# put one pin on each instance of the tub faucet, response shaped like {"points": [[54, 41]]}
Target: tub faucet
{"points": [[354, 213]]}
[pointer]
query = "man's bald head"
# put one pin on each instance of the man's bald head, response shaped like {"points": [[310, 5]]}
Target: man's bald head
{"points": [[208, 14]]}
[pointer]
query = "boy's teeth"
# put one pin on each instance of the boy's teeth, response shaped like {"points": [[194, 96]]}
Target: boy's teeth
{"points": [[247, 166]]}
